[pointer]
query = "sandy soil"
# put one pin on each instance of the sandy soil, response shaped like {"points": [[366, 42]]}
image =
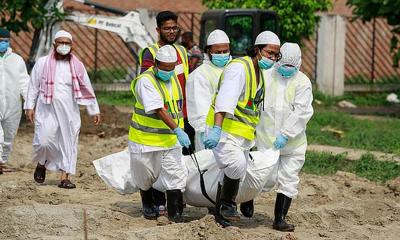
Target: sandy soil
{"points": [[342, 206]]}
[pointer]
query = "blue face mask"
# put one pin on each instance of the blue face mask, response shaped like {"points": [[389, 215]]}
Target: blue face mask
{"points": [[287, 71], [164, 75], [220, 60], [4, 46], [265, 63]]}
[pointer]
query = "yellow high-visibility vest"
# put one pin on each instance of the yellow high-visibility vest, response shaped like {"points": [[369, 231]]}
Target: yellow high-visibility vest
{"points": [[246, 114], [149, 129], [179, 48]]}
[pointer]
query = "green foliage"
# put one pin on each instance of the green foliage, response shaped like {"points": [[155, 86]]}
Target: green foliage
{"points": [[375, 135], [18, 15], [297, 17], [367, 166], [389, 9]]}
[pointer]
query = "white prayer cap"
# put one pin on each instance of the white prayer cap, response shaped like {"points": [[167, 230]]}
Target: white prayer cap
{"points": [[167, 54], [63, 33], [267, 37], [291, 55], [217, 37]]}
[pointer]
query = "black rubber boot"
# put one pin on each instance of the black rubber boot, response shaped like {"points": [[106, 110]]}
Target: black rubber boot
{"points": [[149, 210], [175, 205], [218, 218], [282, 205], [247, 208], [159, 201], [229, 191]]}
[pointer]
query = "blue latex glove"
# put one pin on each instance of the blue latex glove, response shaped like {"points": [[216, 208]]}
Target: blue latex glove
{"points": [[280, 142], [212, 139], [183, 138]]}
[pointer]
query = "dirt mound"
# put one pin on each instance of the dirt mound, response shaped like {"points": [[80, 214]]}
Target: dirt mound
{"points": [[114, 122]]}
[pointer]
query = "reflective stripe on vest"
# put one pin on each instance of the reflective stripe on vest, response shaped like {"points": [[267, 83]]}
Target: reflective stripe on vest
{"points": [[149, 129], [246, 116]]}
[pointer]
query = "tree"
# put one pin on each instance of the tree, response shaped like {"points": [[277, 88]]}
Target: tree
{"points": [[18, 15], [297, 18], [389, 9]]}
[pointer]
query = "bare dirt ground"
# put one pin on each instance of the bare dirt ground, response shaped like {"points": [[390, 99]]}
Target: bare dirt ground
{"points": [[342, 206]]}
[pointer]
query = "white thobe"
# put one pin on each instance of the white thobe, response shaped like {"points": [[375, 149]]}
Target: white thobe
{"points": [[57, 125]]}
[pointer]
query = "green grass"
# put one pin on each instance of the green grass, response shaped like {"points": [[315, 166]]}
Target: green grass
{"points": [[367, 166], [359, 99], [115, 98], [377, 135]]}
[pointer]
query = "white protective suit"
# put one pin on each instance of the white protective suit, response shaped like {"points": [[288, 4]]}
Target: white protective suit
{"points": [[287, 110], [201, 87], [116, 171], [14, 81], [57, 125]]}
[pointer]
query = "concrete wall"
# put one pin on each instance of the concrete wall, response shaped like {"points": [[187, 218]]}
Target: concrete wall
{"points": [[331, 54]]}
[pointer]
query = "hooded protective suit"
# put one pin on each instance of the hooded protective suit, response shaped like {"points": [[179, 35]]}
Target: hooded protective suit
{"points": [[201, 87], [14, 81], [287, 110]]}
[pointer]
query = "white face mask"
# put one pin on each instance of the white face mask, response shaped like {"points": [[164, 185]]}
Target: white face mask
{"points": [[63, 49]]}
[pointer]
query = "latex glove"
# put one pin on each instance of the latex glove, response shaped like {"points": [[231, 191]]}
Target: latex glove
{"points": [[280, 142], [212, 139], [183, 138]]}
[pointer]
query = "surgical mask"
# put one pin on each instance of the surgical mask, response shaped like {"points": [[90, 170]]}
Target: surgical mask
{"points": [[287, 71], [220, 60], [164, 75], [63, 49], [265, 63], [4, 46]]}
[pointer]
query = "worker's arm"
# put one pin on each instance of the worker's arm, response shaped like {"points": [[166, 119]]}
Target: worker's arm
{"points": [[33, 89], [219, 119], [166, 118], [301, 113], [23, 78], [232, 87]]}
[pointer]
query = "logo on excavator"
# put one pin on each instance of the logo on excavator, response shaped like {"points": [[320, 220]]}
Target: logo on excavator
{"points": [[92, 21]]}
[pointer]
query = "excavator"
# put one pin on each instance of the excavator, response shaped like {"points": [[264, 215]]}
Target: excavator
{"points": [[137, 28]]}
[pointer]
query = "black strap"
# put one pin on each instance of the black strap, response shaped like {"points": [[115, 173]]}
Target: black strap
{"points": [[201, 172]]}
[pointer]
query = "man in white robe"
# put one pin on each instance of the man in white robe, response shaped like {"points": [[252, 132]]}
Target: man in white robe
{"points": [[59, 84]]}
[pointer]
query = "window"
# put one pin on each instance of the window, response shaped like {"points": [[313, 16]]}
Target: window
{"points": [[240, 32], [268, 22], [209, 26]]}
